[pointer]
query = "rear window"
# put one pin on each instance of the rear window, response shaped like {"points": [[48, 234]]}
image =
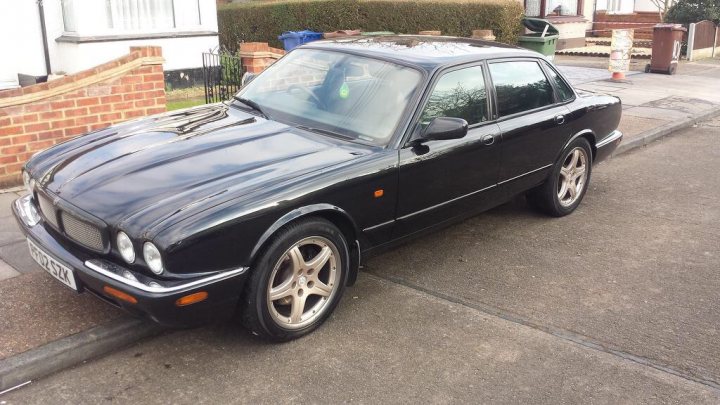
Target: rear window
{"points": [[565, 93], [520, 86]]}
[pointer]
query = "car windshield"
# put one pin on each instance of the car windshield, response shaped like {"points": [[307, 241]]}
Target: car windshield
{"points": [[335, 93]]}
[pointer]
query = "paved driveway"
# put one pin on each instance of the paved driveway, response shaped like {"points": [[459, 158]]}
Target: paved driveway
{"points": [[579, 75], [615, 303]]}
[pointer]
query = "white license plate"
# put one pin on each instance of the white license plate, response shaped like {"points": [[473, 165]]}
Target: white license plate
{"points": [[52, 266]]}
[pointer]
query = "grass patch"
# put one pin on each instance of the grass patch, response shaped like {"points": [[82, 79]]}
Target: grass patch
{"points": [[184, 103]]}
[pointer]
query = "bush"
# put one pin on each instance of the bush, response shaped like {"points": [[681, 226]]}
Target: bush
{"points": [[692, 11], [252, 22]]}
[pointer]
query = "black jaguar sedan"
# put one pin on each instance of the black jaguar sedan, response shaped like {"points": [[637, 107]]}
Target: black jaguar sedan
{"points": [[265, 205]]}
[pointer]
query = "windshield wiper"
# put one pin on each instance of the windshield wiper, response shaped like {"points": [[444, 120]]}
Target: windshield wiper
{"points": [[326, 132], [255, 106]]}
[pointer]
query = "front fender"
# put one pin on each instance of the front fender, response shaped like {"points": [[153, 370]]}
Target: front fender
{"points": [[328, 211], [297, 213]]}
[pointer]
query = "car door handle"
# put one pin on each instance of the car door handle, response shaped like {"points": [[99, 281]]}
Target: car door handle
{"points": [[488, 140], [560, 119]]}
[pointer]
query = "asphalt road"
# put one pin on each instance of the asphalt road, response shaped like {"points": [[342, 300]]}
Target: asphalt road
{"points": [[615, 303]]}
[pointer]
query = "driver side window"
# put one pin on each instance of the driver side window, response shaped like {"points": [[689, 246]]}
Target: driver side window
{"points": [[458, 94]]}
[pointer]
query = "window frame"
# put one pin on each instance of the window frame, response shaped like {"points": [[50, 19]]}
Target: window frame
{"points": [[547, 68], [84, 30], [543, 14], [539, 62], [430, 87]]}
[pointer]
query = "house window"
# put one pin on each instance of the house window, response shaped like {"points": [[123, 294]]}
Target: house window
{"points": [[68, 16], [553, 8], [133, 15], [129, 16]]}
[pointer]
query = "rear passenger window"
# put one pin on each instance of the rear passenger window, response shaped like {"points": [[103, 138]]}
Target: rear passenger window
{"points": [[520, 86], [458, 94], [565, 93]]}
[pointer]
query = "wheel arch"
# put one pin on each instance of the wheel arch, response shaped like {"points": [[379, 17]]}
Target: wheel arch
{"points": [[587, 134], [332, 213]]}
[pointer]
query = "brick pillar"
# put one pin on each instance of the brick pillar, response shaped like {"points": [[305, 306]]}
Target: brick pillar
{"points": [[257, 56]]}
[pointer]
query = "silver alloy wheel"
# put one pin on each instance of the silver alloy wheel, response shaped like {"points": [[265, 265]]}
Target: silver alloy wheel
{"points": [[303, 282], [573, 175]]}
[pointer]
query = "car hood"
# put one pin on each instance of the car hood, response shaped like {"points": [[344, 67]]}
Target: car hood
{"points": [[156, 167]]}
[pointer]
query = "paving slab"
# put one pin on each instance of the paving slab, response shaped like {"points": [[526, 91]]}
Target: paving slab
{"points": [[644, 111], [7, 271], [634, 98], [683, 85], [9, 231], [684, 104], [632, 127], [385, 344], [578, 75], [635, 268], [35, 310], [6, 199], [17, 255]]}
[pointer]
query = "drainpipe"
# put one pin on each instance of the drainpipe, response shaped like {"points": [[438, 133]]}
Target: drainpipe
{"points": [[41, 11]]}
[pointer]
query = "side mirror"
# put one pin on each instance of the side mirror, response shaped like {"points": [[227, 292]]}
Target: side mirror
{"points": [[247, 77], [442, 128]]}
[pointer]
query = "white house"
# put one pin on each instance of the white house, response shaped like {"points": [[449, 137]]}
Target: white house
{"points": [[572, 18], [80, 34], [628, 6]]}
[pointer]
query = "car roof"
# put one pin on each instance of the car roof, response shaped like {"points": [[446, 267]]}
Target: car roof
{"points": [[429, 52]]}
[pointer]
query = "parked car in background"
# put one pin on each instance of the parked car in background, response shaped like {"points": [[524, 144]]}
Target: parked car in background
{"points": [[268, 203]]}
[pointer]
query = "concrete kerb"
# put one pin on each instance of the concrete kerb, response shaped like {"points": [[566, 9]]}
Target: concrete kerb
{"points": [[100, 340], [663, 131], [72, 350]]}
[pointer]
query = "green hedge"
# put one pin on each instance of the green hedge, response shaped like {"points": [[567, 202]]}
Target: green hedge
{"points": [[263, 22]]}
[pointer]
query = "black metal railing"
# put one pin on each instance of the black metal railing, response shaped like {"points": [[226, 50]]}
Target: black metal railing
{"points": [[222, 73]]}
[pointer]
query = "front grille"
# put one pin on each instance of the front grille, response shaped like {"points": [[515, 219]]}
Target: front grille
{"points": [[47, 209], [82, 232]]}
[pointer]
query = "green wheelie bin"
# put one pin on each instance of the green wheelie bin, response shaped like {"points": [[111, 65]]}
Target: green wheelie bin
{"points": [[542, 39]]}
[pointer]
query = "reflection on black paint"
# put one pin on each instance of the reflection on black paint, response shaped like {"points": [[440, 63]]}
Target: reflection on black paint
{"points": [[520, 86], [459, 94]]}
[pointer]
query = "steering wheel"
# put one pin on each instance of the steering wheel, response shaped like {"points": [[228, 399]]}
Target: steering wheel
{"points": [[309, 92]]}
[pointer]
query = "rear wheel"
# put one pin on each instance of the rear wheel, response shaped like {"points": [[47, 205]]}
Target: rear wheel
{"points": [[297, 281], [563, 191]]}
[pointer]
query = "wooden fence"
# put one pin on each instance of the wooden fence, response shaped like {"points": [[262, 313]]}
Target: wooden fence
{"points": [[703, 40]]}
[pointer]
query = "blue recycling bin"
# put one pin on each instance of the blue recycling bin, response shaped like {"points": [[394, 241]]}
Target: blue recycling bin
{"points": [[293, 39]]}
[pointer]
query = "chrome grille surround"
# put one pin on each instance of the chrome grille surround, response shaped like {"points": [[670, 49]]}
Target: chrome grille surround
{"points": [[48, 210], [82, 232]]}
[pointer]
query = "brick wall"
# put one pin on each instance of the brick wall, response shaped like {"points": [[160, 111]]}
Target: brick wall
{"points": [[256, 56], [36, 117]]}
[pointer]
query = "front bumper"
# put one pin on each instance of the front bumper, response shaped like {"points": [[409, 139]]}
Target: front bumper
{"points": [[606, 146], [156, 299]]}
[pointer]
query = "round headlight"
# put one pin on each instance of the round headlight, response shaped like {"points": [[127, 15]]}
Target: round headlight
{"points": [[125, 247], [152, 258]]}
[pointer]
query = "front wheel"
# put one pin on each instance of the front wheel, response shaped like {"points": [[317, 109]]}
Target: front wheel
{"points": [[563, 191], [297, 281]]}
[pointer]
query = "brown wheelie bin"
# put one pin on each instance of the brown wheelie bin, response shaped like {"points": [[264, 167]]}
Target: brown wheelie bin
{"points": [[666, 44]]}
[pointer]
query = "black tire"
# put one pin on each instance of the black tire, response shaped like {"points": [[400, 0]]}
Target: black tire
{"points": [[256, 312], [545, 197]]}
